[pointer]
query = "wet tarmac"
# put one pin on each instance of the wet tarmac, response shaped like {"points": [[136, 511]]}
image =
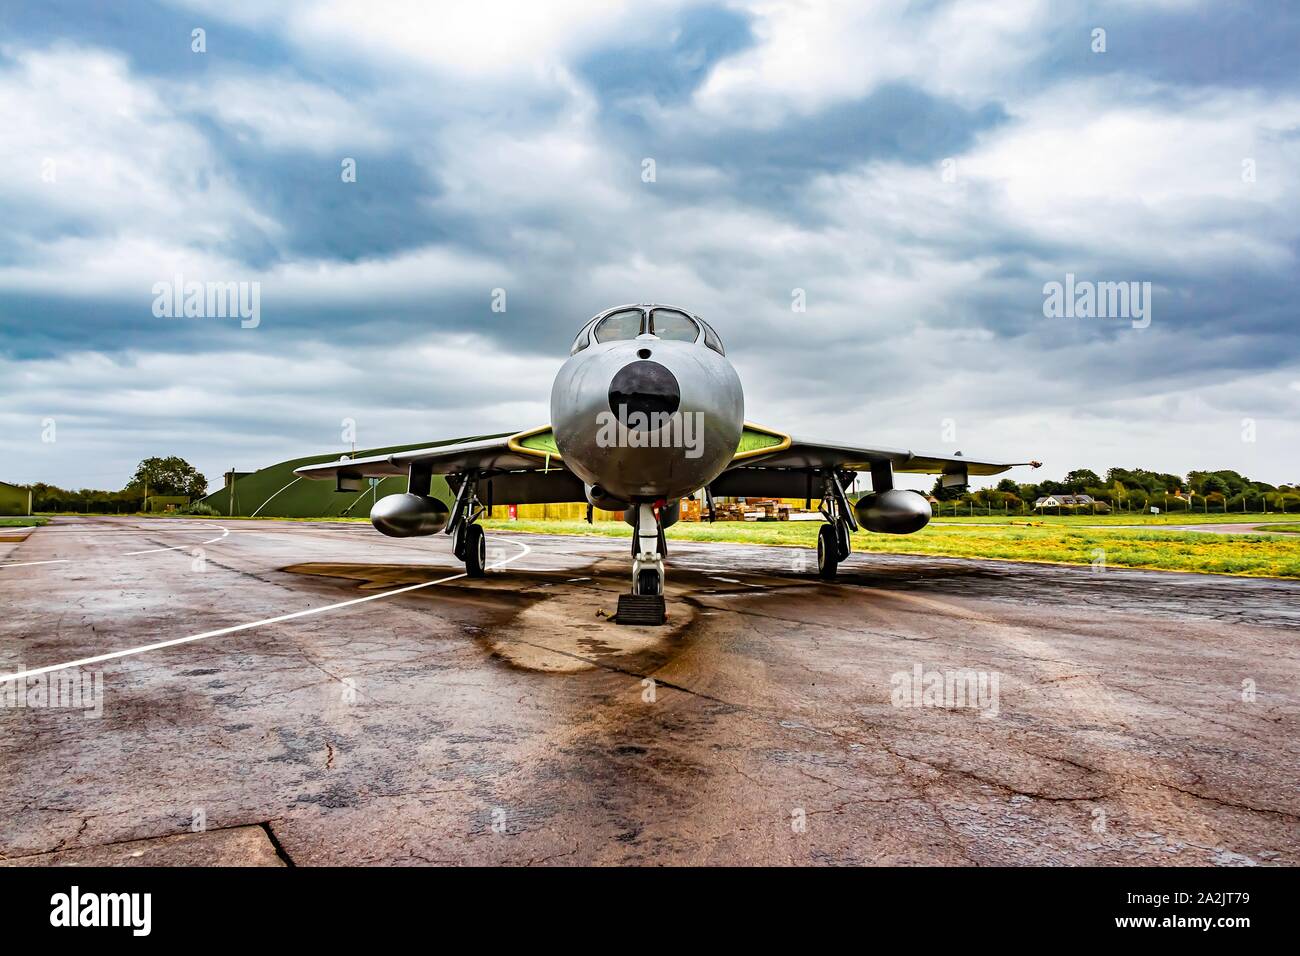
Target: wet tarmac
{"points": [[325, 695]]}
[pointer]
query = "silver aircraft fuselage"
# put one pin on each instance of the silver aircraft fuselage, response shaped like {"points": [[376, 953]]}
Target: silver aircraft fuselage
{"points": [[639, 417]]}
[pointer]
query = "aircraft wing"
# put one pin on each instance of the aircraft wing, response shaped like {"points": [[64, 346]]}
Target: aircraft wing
{"points": [[523, 468], [526, 467], [781, 466]]}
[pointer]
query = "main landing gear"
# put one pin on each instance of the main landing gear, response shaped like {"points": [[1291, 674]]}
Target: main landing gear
{"points": [[833, 538], [469, 544], [645, 605]]}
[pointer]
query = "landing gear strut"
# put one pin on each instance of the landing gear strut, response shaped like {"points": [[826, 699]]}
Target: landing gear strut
{"points": [[468, 542], [833, 538], [645, 605]]}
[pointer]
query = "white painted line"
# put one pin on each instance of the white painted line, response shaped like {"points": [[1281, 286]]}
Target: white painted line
{"points": [[128, 554], [268, 500], [177, 547], [100, 658], [66, 529]]}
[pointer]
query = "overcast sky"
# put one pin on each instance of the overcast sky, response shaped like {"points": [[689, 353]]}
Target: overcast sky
{"points": [[920, 170]]}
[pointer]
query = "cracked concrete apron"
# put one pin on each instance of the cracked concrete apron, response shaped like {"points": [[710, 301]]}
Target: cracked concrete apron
{"points": [[1139, 717]]}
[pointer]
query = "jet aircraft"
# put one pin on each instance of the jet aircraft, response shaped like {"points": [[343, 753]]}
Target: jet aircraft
{"points": [[646, 411]]}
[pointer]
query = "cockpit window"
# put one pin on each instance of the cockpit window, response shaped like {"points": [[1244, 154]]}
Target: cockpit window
{"points": [[619, 326], [711, 338], [582, 341], [673, 325]]}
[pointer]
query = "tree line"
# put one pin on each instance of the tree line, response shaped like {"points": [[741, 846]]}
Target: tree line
{"points": [[170, 476], [1134, 489]]}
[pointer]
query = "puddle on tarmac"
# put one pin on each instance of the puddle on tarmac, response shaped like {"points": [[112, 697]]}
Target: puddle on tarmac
{"points": [[537, 621]]}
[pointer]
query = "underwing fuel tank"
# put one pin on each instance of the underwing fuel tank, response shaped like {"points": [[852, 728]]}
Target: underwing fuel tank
{"points": [[408, 515], [893, 512]]}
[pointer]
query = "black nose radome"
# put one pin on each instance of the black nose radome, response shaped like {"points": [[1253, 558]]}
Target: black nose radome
{"points": [[645, 387]]}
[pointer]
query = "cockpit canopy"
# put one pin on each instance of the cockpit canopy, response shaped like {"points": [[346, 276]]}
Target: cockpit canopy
{"points": [[629, 321]]}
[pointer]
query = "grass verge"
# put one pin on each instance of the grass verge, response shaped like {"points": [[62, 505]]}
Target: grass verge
{"points": [[1245, 554], [1124, 518]]}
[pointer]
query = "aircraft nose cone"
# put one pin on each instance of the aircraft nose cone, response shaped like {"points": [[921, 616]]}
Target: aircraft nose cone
{"points": [[645, 387]]}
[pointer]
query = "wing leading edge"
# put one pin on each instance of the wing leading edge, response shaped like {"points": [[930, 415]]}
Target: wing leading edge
{"points": [[511, 469], [787, 472], [806, 453]]}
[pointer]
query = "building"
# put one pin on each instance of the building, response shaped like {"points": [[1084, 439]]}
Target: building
{"points": [[156, 503], [15, 499], [1064, 501]]}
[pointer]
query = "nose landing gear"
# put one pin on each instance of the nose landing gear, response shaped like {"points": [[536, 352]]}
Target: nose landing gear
{"points": [[645, 605]]}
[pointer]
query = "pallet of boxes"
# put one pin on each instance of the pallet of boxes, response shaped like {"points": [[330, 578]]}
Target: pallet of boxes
{"points": [[729, 511], [766, 509]]}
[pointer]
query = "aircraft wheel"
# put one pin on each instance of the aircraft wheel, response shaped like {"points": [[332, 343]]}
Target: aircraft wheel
{"points": [[475, 550], [828, 552], [845, 543], [648, 582], [458, 542]]}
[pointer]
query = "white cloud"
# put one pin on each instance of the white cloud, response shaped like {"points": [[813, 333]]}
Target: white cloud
{"points": [[810, 55], [482, 40], [120, 155], [255, 406], [284, 113], [1158, 180]]}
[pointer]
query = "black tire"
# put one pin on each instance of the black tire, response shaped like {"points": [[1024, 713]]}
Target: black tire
{"points": [[647, 582], [846, 544], [458, 542], [828, 552], [475, 550]]}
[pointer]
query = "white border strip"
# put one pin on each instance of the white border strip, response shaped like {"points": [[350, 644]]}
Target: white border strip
{"points": [[114, 655]]}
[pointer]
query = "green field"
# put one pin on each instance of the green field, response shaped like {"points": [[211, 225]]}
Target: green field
{"points": [[1245, 554], [1124, 518], [23, 522]]}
